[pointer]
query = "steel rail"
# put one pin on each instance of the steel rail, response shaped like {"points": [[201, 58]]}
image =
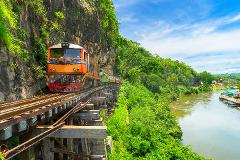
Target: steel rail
{"points": [[26, 115], [35, 100], [25, 101], [25, 105], [21, 109]]}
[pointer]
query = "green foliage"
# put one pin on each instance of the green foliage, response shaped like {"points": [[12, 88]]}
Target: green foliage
{"points": [[142, 127], [205, 77], [38, 7], [59, 15], [159, 75], [228, 79], [44, 33], [39, 72], [110, 25], [13, 66], [6, 15], [57, 22], [1, 156], [40, 52], [56, 26], [5, 36], [7, 22], [22, 34]]}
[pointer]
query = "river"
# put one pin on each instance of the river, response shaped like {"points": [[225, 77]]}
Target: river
{"points": [[211, 127]]}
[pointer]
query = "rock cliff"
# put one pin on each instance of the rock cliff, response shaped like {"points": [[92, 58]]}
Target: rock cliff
{"points": [[39, 24]]}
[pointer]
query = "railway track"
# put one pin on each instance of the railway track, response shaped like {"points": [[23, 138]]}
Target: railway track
{"points": [[12, 113], [25, 101]]}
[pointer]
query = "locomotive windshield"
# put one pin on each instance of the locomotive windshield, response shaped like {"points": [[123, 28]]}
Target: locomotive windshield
{"points": [[64, 56]]}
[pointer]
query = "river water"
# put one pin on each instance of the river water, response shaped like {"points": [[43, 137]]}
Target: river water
{"points": [[211, 127]]}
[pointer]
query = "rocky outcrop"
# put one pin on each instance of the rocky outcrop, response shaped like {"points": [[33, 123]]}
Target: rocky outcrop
{"points": [[16, 78], [81, 25]]}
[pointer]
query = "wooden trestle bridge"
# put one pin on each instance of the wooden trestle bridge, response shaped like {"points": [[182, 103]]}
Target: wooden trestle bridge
{"points": [[58, 126]]}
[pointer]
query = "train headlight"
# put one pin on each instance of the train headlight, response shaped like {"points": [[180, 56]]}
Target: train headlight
{"points": [[52, 69], [75, 69]]}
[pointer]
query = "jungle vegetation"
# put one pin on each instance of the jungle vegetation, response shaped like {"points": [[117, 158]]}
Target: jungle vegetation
{"points": [[228, 80], [142, 126]]}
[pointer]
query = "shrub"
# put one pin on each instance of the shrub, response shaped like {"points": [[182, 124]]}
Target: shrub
{"points": [[59, 15]]}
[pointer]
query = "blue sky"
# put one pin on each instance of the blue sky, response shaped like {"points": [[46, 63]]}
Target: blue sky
{"points": [[205, 34]]}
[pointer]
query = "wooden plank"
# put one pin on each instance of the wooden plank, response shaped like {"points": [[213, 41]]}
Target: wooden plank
{"points": [[98, 132]]}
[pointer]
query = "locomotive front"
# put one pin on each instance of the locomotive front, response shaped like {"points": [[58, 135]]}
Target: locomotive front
{"points": [[68, 67]]}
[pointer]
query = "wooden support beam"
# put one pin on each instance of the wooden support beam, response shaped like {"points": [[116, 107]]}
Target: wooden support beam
{"points": [[6, 133], [47, 144], [98, 132], [63, 151], [91, 115]]}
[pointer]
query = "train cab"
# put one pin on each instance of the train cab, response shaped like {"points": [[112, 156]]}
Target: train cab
{"points": [[70, 67]]}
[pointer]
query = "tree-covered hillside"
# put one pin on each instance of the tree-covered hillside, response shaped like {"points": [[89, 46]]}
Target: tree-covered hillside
{"points": [[159, 75], [142, 125]]}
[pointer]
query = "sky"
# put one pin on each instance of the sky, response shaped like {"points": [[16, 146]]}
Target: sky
{"points": [[204, 34]]}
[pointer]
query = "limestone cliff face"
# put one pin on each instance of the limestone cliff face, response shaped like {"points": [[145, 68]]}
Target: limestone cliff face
{"points": [[16, 78], [81, 24]]}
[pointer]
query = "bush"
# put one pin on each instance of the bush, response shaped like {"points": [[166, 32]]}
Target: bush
{"points": [[39, 72], [40, 52], [59, 15]]}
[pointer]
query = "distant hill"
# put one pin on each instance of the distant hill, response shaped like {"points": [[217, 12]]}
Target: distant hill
{"points": [[229, 75]]}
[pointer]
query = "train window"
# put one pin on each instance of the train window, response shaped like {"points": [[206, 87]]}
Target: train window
{"points": [[64, 56], [57, 53], [72, 53]]}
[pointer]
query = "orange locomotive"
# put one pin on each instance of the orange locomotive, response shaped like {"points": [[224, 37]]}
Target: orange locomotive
{"points": [[70, 68]]}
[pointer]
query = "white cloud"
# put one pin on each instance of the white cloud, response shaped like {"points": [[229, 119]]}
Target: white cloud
{"points": [[235, 18], [119, 4], [171, 40], [198, 39], [188, 45], [129, 18]]}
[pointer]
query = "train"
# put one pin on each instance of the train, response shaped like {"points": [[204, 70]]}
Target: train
{"points": [[71, 68]]}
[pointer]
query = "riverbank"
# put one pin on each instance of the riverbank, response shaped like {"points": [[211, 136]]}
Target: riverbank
{"points": [[209, 126]]}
